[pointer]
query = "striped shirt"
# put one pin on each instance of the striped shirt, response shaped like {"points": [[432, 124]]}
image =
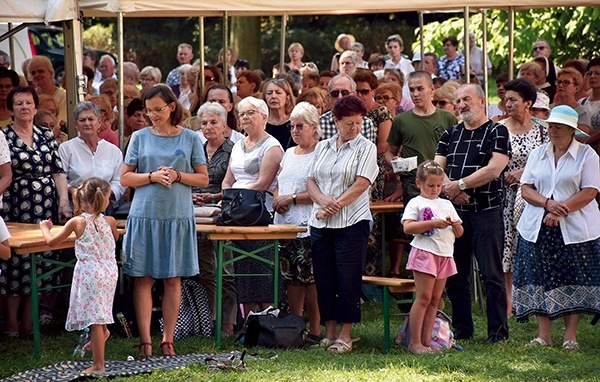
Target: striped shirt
{"points": [[467, 151], [329, 129], [335, 171]]}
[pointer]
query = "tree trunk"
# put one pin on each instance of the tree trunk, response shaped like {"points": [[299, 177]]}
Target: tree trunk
{"points": [[245, 39]]}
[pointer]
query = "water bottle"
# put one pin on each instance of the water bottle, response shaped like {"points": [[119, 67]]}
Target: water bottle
{"points": [[84, 338]]}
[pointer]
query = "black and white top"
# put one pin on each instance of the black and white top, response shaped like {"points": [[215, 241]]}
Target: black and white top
{"points": [[467, 151]]}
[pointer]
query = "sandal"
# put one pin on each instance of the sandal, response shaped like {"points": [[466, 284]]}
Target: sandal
{"points": [[170, 347], [325, 343], [145, 350], [570, 345], [537, 342], [313, 340], [340, 347]]}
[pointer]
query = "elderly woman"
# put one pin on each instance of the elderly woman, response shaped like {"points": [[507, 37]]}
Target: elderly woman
{"points": [[525, 135], [277, 93], [41, 70], [222, 95], [183, 88], [131, 73], [395, 45], [254, 164], [107, 117], [150, 76], [340, 220], [348, 62], [568, 84], [444, 97], [389, 94], [48, 118], [557, 264], [217, 149], [293, 205], [87, 155], [38, 191], [296, 52], [359, 49], [342, 43], [451, 65], [160, 242], [533, 72]]}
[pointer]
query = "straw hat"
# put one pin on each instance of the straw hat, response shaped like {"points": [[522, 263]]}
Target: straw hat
{"points": [[339, 38], [564, 115]]}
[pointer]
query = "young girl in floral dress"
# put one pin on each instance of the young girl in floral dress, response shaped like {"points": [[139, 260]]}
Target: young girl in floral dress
{"points": [[95, 274]]}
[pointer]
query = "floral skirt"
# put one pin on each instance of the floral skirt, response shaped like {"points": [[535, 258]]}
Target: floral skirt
{"points": [[553, 279], [295, 262]]}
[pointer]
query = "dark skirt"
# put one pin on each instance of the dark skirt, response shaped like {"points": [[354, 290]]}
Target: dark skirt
{"points": [[553, 279], [295, 262]]}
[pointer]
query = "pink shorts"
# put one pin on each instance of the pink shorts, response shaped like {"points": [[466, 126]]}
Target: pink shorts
{"points": [[426, 262]]}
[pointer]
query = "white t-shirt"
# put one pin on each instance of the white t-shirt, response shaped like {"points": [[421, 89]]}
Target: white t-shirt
{"points": [[4, 155], [441, 243]]}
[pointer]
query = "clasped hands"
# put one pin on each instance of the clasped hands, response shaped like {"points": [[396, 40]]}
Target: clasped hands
{"points": [[281, 203], [165, 175], [451, 190], [556, 210], [329, 206]]}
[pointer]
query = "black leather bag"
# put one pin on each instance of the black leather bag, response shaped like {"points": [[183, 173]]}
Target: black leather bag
{"points": [[268, 331], [243, 207]]}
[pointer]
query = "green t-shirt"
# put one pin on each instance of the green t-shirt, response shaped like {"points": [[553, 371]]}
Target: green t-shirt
{"points": [[419, 135]]}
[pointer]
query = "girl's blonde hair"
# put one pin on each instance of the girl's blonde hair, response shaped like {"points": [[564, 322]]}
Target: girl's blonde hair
{"points": [[429, 167], [92, 193]]}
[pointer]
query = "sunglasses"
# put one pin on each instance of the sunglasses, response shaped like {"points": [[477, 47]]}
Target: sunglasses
{"points": [[309, 65], [441, 103], [536, 48], [209, 79], [298, 126], [336, 93], [363, 91]]}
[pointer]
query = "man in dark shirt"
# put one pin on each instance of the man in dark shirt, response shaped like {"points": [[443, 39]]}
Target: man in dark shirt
{"points": [[474, 154]]}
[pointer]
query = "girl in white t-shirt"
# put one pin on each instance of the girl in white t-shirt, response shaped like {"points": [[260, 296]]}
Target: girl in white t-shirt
{"points": [[434, 224]]}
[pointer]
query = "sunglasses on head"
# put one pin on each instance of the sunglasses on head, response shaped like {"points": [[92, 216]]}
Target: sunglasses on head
{"points": [[441, 103], [336, 93]]}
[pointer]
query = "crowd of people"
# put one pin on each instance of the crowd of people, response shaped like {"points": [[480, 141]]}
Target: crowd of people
{"points": [[512, 186]]}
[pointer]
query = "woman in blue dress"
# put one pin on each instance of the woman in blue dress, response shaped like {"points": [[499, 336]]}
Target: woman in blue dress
{"points": [[163, 162]]}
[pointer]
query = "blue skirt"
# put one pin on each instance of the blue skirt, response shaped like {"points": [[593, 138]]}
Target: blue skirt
{"points": [[553, 279]]}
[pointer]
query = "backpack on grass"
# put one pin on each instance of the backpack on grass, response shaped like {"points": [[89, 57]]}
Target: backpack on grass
{"points": [[441, 335]]}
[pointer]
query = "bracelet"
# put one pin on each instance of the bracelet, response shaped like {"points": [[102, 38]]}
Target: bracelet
{"points": [[150, 177], [546, 203], [212, 198], [294, 199], [178, 176]]}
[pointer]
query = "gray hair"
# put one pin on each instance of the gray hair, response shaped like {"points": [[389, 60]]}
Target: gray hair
{"points": [[359, 46], [86, 106], [259, 104], [184, 45], [478, 89], [130, 69], [352, 54], [307, 113], [6, 56], [340, 76], [108, 56], [215, 109], [184, 68], [152, 72]]}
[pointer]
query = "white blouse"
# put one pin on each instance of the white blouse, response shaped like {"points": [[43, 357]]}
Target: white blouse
{"points": [[80, 163], [578, 168]]}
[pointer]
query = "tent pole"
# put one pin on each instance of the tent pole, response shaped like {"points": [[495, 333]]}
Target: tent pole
{"points": [[467, 48], [120, 79], [11, 49], [201, 54], [225, 48], [73, 69], [421, 40], [485, 56], [511, 43], [282, 48]]}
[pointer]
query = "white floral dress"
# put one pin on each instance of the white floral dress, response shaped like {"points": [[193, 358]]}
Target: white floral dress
{"points": [[522, 145], [94, 277]]}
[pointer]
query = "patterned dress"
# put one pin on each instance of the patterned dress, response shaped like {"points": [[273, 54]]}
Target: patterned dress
{"points": [[30, 198], [450, 69], [522, 145], [94, 277]]}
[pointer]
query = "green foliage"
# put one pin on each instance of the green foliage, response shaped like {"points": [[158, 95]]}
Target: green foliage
{"points": [[572, 32], [99, 36]]}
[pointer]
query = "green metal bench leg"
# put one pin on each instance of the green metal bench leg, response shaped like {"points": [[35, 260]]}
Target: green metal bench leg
{"points": [[219, 294], [35, 312], [386, 319]]}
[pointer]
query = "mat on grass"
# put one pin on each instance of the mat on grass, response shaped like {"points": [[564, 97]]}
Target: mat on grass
{"points": [[71, 370]]}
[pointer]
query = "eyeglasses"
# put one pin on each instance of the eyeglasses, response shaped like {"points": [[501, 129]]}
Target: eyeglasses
{"points": [[383, 98], [536, 48], [6, 86], [336, 93], [248, 113], [209, 79], [154, 111], [441, 103], [298, 126], [563, 82], [363, 91]]}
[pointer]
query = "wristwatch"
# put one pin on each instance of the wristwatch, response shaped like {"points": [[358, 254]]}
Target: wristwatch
{"points": [[462, 185], [294, 199]]}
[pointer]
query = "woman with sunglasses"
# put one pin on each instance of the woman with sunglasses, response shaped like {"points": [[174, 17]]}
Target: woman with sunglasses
{"points": [[293, 205], [277, 93], [444, 97], [567, 86], [163, 163]]}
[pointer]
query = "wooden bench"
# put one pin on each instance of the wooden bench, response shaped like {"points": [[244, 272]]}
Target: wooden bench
{"points": [[388, 285]]}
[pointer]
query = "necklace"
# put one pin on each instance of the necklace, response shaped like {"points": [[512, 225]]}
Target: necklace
{"points": [[175, 131]]}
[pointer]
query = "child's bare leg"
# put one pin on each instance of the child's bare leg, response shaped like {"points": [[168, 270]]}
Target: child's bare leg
{"points": [[99, 335], [424, 284], [428, 320], [88, 346]]}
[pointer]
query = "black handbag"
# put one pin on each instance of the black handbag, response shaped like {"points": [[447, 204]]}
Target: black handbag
{"points": [[266, 330], [243, 207]]}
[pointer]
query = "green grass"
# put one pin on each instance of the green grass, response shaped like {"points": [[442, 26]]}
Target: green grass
{"points": [[509, 361]]}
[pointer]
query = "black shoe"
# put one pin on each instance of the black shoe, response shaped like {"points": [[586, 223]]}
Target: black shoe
{"points": [[496, 340], [463, 336]]}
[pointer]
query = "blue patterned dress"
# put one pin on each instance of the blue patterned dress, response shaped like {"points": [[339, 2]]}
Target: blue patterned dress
{"points": [[161, 230]]}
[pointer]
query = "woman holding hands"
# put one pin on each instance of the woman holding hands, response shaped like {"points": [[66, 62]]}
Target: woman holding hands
{"points": [[163, 163]]}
